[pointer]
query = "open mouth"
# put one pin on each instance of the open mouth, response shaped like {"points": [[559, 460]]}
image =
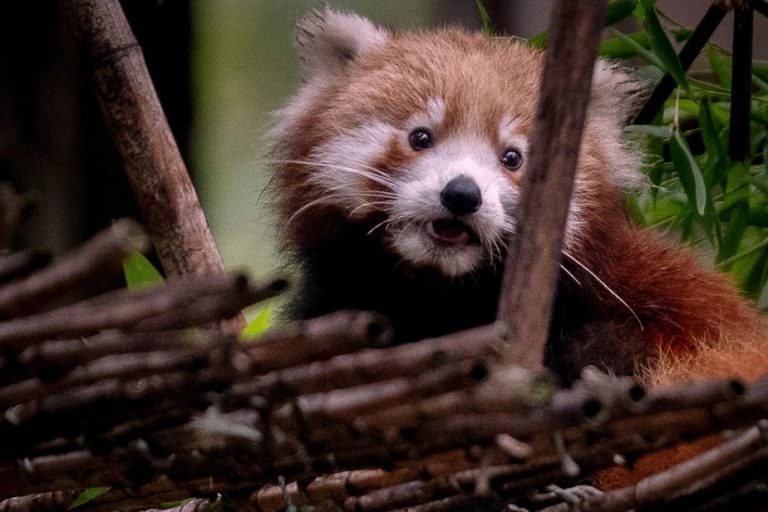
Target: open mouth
{"points": [[451, 232]]}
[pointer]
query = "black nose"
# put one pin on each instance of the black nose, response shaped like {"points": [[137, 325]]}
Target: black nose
{"points": [[461, 195]]}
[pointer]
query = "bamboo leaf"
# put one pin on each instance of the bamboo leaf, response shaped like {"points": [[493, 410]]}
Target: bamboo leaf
{"points": [[722, 66], [485, 19], [734, 233], [756, 277], [88, 495], [762, 299], [689, 172], [259, 324], [139, 272], [647, 55], [710, 131], [617, 48], [682, 34], [618, 10], [662, 47]]}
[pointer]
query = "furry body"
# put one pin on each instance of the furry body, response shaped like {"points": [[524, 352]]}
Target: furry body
{"points": [[367, 157]]}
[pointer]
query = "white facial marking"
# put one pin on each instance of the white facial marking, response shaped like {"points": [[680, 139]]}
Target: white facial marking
{"points": [[508, 127], [431, 118], [343, 164], [418, 202]]}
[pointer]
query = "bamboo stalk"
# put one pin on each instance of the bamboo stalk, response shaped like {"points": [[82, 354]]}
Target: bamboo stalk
{"points": [[531, 269]]}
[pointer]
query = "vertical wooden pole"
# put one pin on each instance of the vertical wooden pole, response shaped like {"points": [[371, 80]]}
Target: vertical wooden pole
{"points": [[132, 112], [531, 270]]}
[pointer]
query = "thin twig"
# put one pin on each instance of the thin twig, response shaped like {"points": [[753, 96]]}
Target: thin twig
{"points": [[78, 270], [18, 264], [170, 306]]}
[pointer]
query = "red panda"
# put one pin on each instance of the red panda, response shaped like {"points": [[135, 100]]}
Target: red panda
{"points": [[397, 171]]}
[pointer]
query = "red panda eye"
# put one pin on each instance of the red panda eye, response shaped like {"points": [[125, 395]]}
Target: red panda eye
{"points": [[420, 139], [512, 159]]}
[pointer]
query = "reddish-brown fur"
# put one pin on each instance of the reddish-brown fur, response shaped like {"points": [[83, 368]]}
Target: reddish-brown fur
{"points": [[680, 321], [681, 307]]}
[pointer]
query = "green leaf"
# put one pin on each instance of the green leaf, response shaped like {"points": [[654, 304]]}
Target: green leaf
{"points": [[756, 276], [485, 18], [539, 40], [689, 172], [139, 272], [639, 12], [682, 34], [639, 49], [259, 324], [617, 10], [617, 48], [722, 65], [762, 299], [760, 69], [710, 131], [662, 47], [734, 233], [88, 495]]}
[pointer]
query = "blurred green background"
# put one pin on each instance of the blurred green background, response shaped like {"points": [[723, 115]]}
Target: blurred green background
{"points": [[244, 67]]}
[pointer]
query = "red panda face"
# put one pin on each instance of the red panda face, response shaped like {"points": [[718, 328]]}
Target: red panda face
{"points": [[419, 140]]}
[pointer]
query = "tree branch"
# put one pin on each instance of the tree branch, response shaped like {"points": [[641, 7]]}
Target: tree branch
{"points": [[531, 269]]}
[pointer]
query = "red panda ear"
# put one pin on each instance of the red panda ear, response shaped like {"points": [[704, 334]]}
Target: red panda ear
{"points": [[327, 41], [616, 94]]}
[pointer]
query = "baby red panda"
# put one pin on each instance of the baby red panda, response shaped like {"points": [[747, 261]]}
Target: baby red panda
{"points": [[397, 172]]}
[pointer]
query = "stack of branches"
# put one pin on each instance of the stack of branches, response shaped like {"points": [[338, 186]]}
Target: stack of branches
{"points": [[139, 391], [150, 394]]}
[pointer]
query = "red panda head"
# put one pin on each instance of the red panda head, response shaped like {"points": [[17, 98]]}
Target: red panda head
{"points": [[420, 141]]}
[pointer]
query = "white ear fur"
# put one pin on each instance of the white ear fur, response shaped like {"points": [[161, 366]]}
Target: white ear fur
{"points": [[328, 40], [616, 95]]}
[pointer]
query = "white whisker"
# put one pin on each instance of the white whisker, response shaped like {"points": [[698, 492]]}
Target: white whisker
{"points": [[307, 206], [371, 173], [568, 272], [604, 285], [374, 228], [365, 205]]}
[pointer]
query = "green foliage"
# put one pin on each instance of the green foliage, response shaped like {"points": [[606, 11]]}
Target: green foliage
{"points": [[485, 18], [139, 272], [88, 495], [260, 323], [661, 45], [695, 188]]}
